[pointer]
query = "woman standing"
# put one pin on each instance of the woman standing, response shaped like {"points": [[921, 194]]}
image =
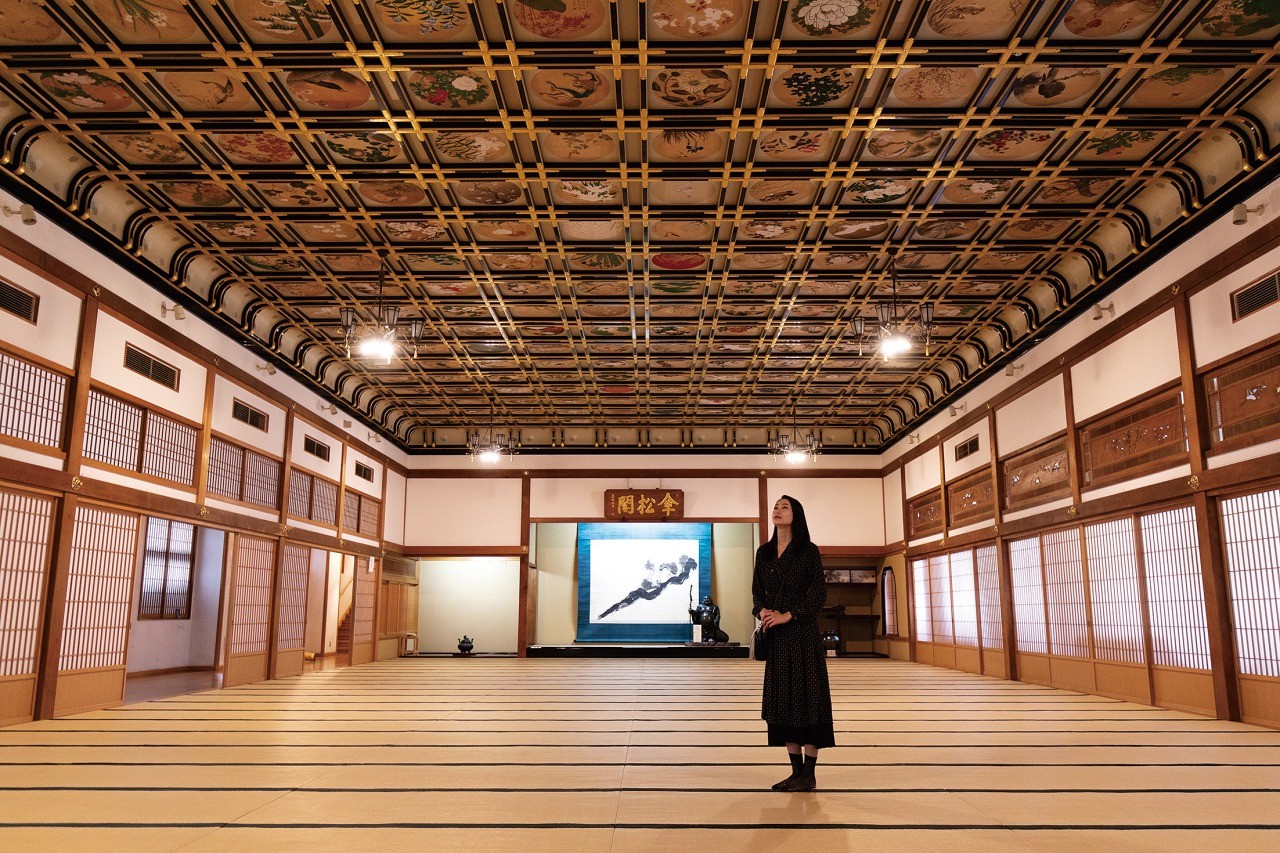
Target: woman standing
{"points": [[789, 589]]}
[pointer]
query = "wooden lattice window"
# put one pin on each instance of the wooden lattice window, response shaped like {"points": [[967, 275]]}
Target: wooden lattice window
{"points": [[1036, 476], [25, 526], [1114, 592], [1249, 526], [889, 602], [95, 623], [128, 436], [1148, 436], [363, 602], [166, 570], [920, 600], [241, 474], [251, 616], [1028, 595], [324, 502], [1175, 588], [964, 601], [987, 569], [295, 570], [361, 513], [33, 401], [940, 598], [1244, 400], [300, 485], [1064, 594]]}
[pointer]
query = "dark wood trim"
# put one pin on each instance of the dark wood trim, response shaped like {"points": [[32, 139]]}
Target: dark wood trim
{"points": [[955, 543], [9, 349], [762, 497], [239, 442], [1074, 475], [32, 447], [200, 474], [527, 615], [1217, 605], [636, 473], [855, 551], [577, 519], [1194, 411], [78, 399], [909, 575], [112, 391], [173, 670], [1144, 606], [1039, 442], [87, 467], [54, 608], [1009, 631], [466, 550], [896, 547]]}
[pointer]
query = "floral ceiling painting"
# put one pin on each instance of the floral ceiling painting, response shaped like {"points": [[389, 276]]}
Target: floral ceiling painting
{"points": [[646, 225]]}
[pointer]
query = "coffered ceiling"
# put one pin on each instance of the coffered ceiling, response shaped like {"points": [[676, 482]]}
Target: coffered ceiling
{"points": [[639, 224]]}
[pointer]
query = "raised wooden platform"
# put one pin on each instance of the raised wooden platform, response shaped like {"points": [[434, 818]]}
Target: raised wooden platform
{"points": [[640, 650]]}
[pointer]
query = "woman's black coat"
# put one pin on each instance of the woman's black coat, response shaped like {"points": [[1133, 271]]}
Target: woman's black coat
{"points": [[796, 690]]}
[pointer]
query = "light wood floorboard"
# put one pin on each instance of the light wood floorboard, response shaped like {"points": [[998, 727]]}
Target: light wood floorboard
{"points": [[631, 755]]}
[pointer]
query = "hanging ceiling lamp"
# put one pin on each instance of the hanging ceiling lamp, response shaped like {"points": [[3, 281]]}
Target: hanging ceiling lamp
{"points": [[490, 445], [790, 447], [382, 339], [894, 335]]}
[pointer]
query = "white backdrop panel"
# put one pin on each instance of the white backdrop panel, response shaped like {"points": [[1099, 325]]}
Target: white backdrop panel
{"points": [[462, 512], [1145, 358]]}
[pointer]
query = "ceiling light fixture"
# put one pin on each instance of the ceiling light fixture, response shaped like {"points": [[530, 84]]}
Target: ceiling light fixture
{"points": [[789, 447], [895, 333], [380, 340], [490, 445]]}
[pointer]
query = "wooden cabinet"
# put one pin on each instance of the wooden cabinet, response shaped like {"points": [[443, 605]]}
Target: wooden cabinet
{"points": [[852, 610]]}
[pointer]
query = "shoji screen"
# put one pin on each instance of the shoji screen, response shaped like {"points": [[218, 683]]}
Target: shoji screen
{"points": [[920, 596], [291, 613], [1028, 595], [1114, 598], [964, 605], [250, 628], [25, 524], [940, 598], [889, 603], [1175, 589], [95, 622], [1251, 528], [988, 572], [366, 591], [1064, 592]]}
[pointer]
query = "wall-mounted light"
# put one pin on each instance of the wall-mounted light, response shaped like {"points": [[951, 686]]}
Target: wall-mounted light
{"points": [[1100, 310], [178, 312], [1239, 214], [26, 211], [269, 369], [374, 437], [913, 438], [331, 408], [958, 409], [1014, 369]]}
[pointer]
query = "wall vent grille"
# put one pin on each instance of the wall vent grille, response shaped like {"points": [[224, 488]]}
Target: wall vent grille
{"points": [[1255, 297], [245, 413], [150, 367], [19, 302]]}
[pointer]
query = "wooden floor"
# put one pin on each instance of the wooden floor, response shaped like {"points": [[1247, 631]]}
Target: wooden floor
{"points": [[632, 755]]}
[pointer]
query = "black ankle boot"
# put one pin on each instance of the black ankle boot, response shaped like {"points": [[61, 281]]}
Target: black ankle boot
{"points": [[797, 768], [805, 780]]}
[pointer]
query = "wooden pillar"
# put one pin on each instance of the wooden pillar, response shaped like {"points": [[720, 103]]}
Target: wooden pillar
{"points": [[54, 610], [1217, 605], [528, 617]]}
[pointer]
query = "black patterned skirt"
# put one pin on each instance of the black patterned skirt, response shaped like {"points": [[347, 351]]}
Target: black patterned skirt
{"points": [[819, 735]]}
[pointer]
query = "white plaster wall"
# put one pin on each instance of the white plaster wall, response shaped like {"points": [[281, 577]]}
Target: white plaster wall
{"points": [[1145, 358], [1178, 473], [1257, 451], [108, 368], [982, 456], [922, 473], [331, 468], [173, 643], [359, 484], [839, 511], [1214, 333], [270, 441], [32, 457], [557, 584], [336, 563], [462, 512], [318, 569], [477, 596], [56, 332], [182, 493], [583, 498], [393, 509], [894, 507], [733, 555], [1029, 419]]}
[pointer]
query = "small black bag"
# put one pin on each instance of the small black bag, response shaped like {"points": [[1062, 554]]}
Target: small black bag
{"points": [[760, 644]]}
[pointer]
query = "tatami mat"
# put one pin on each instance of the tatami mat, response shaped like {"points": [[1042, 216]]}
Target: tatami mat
{"points": [[631, 755]]}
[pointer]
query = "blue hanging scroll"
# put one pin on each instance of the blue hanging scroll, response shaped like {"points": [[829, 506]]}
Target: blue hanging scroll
{"points": [[636, 582]]}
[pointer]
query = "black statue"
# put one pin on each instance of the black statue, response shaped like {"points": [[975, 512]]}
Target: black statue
{"points": [[707, 614]]}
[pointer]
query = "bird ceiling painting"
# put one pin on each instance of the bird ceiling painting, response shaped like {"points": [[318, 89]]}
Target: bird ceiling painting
{"points": [[635, 581]]}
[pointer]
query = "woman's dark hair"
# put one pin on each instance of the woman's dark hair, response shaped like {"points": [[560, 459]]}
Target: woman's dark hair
{"points": [[799, 525]]}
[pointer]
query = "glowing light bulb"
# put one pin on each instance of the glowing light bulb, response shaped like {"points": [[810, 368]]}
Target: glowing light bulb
{"points": [[490, 455], [894, 345], [379, 348], [797, 456]]}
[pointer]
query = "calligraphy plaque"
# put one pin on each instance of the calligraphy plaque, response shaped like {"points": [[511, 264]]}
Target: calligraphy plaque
{"points": [[643, 504]]}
